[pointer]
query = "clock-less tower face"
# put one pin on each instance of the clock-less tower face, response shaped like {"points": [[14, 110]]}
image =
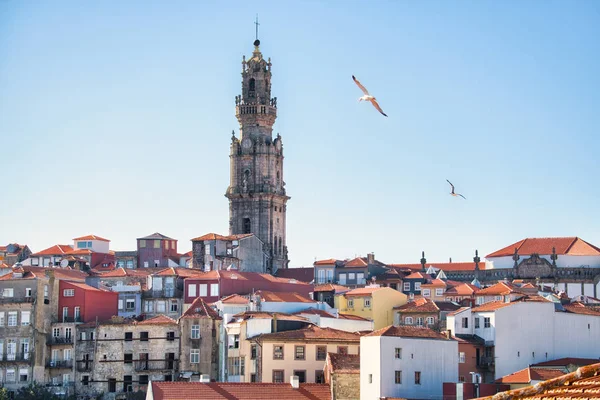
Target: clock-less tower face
{"points": [[256, 192]]}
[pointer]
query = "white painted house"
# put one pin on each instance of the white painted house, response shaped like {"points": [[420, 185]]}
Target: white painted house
{"points": [[332, 319], [406, 362], [518, 334]]}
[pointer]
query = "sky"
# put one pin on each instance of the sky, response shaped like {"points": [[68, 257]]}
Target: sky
{"points": [[116, 119]]}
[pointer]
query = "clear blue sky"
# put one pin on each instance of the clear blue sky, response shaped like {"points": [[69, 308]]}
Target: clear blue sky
{"points": [[116, 118]]}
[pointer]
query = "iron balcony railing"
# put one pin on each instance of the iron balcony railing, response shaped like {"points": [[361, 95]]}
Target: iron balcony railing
{"points": [[16, 357], [59, 340], [18, 299], [60, 364], [163, 293]]}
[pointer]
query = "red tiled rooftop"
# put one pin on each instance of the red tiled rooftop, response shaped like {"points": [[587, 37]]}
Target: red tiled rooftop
{"points": [[343, 363], [312, 333], [304, 274], [329, 261], [216, 236], [464, 289], [315, 311], [499, 289], [282, 297], [239, 391], [421, 305], [247, 276], [460, 310], [158, 320], [530, 374], [234, 299], [567, 361], [453, 266], [68, 273], [92, 237], [434, 283], [199, 309], [352, 317], [415, 275], [491, 306], [55, 250], [83, 286], [408, 331], [357, 262], [563, 246], [580, 308], [331, 287]]}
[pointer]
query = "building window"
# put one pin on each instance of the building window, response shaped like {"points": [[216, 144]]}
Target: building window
{"points": [[27, 292], [143, 336], [143, 379], [170, 336], [476, 322], [214, 289], [277, 352], [192, 290], [23, 375], [127, 358], [439, 292], [128, 336], [342, 349], [160, 306], [350, 303], [321, 353], [12, 318], [426, 293], [417, 377], [461, 357], [398, 377], [408, 320], [370, 378], [195, 356], [112, 385], [130, 304], [301, 374], [129, 264], [351, 276], [207, 249], [430, 320], [465, 322], [278, 376], [461, 379], [203, 290], [157, 244], [299, 352], [398, 353], [367, 303], [85, 380], [407, 286], [253, 378], [174, 306], [195, 332], [142, 243], [247, 226], [166, 245], [319, 376], [25, 318], [486, 322], [419, 321], [342, 279], [253, 349], [417, 286], [168, 378], [8, 292]]}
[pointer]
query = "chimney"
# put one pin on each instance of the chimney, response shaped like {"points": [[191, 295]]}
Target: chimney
{"points": [[371, 258], [204, 378], [448, 334], [295, 381]]}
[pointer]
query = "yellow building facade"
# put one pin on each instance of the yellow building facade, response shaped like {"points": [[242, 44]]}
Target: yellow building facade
{"points": [[374, 303]]}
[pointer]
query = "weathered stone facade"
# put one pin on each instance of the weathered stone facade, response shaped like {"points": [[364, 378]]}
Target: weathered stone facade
{"points": [[256, 193], [244, 253]]}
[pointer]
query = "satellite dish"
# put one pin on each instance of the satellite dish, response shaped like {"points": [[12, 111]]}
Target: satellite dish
{"points": [[64, 263]]}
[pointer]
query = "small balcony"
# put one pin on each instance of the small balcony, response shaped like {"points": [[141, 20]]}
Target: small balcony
{"points": [[16, 357], [60, 364], [155, 365], [487, 363], [162, 294], [53, 340]]}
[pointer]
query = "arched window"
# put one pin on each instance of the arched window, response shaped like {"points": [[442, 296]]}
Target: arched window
{"points": [[247, 226], [252, 85], [408, 320], [275, 246]]}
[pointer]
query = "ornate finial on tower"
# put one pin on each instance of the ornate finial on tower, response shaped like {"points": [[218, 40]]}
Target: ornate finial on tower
{"points": [[423, 260], [450, 260], [232, 135], [257, 24], [476, 259], [554, 257], [516, 257]]}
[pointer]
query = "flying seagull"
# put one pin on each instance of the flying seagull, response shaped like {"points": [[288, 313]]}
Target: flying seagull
{"points": [[367, 96], [455, 194]]}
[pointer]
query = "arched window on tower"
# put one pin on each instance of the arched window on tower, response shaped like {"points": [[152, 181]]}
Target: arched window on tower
{"points": [[251, 87], [278, 178], [275, 246], [247, 226], [280, 246]]}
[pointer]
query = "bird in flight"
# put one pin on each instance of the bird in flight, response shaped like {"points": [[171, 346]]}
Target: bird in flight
{"points": [[455, 194], [367, 96]]}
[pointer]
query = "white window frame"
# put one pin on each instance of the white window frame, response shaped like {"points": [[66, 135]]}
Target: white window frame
{"points": [[351, 276], [69, 293], [214, 289], [439, 292], [12, 318], [461, 357], [195, 332], [192, 289], [367, 302], [127, 301], [195, 356], [8, 292], [417, 286], [408, 320], [25, 318], [426, 293], [203, 290], [430, 320], [350, 303], [406, 286]]}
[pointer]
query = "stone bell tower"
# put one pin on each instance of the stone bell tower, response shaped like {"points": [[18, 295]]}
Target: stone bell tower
{"points": [[256, 192]]}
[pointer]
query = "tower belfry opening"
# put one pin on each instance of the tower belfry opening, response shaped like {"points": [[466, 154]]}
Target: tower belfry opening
{"points": [[256, 192]]}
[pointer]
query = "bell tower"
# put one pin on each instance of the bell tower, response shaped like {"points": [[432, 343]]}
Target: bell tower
{"points": [[256, 192]]}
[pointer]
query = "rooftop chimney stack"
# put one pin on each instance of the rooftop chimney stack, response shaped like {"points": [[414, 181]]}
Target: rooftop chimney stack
{"points": [[204, 378], [371, 258], [295, 381]]}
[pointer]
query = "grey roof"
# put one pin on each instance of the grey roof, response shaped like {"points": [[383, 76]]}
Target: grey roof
{"points": [[158, 236]]}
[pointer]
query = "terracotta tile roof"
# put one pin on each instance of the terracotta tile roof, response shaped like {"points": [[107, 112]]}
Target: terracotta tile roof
{"points": [[234, 299], [216, 236], [92, 237], [499, 289], [563, 362], [352, 317], [199, 309], [491, 306], [409, 332], [158, 320], [343, 363], [527, 286], [246, 315], [179, 271], [357, 262], [68, 273], [10, 276], [239, 391], [463, 289], [421, 305], [578, 385], [315, 311], [331, 287], [84, 286], [81, 252], [460, 310], [330, 261], [453, 266], [312, 334], [415, 275], [157, 236], [247, 276], [365, 291], [56, 250], [282, 297], [530, 374], [563, 245], [304, 274], [580, 308], [434, 283]]}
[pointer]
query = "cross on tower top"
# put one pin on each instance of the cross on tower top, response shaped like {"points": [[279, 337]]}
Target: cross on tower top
{"points": [[257, 24]]}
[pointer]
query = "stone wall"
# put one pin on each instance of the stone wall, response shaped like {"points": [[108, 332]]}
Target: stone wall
{"points": [[345, 386]]}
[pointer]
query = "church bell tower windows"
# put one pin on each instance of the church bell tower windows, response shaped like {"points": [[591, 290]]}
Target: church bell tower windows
{"points": [[247, 225]]}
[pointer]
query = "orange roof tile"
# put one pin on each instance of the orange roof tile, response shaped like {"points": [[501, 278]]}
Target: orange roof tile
{"points": [[453, 266], [434, 283], [158, 320], [315, 311], [580, 308], [234, 299], [458, 311], [563, 245], [491, 306], [83, 286], [408, 331], [199, 309], [330, 261], [282, 297], [464, 289], [499, 289], [248, 276], [343, 363], [529, 374], [216, 236], [68, 273], [352, 317], [312, 334], [563, 362], [92, 237], [420, 305], [357, 262], [238, 391], [415, 275], [55, 250], [331, 287]]}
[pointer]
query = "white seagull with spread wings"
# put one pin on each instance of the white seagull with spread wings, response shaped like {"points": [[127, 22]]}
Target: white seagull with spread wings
{"points": [[367, 96], [455, 194]]}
